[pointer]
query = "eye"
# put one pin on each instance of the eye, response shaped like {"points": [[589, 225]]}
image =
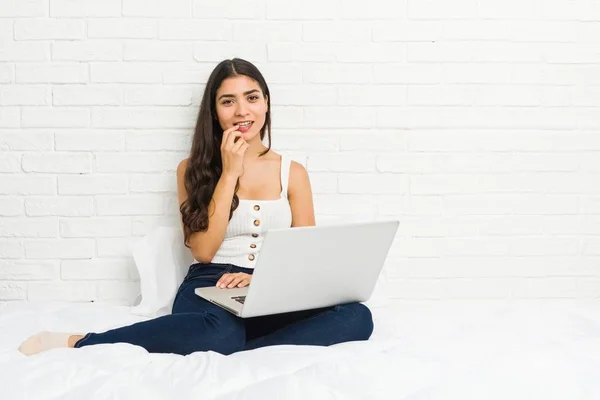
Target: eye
{"points": [[253, 98], [226, 102]]}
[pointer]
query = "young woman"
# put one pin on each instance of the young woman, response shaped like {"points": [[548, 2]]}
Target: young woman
{"points": [[231, 189]]}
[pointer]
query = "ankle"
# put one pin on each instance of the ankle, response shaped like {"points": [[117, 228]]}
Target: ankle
{"points": [[73, 339]]}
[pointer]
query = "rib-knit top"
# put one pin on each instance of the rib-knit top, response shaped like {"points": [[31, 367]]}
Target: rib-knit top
{"points": [[245, 230]]}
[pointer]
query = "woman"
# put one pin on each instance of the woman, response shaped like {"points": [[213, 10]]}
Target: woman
{"points": [[231, 189]]}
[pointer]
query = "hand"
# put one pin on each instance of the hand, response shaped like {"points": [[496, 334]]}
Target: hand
{"points": [[238, 279], [233, 147]]}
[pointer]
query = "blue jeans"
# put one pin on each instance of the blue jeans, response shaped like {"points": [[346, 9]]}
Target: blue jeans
{"points": [[198, 325]]}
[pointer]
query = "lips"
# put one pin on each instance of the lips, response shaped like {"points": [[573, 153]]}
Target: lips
{"points": [[244, 126]]}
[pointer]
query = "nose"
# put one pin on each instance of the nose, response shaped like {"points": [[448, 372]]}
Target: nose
{"points": [[241, 109]]}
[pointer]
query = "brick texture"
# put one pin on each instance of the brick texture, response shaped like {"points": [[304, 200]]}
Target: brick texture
{"points": [[473, 122]]}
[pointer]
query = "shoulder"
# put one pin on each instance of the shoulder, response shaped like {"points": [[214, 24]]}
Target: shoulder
{"points": [[181, 190], [182, 167], [297, 170], [299, 180]]}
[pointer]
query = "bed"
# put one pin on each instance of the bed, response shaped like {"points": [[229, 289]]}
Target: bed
{"points": [[435, 350]]}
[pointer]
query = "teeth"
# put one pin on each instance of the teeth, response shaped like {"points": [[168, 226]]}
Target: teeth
{"points": [[245, 124]]}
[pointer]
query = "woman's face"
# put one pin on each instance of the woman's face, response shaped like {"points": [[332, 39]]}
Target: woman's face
{"points": [[240, 101]]}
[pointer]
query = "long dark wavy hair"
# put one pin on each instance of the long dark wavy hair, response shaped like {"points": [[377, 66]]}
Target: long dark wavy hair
{"points": [[204, 166]]}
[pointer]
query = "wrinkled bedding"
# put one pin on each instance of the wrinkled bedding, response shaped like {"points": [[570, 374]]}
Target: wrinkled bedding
{"points": [[438, 350]]}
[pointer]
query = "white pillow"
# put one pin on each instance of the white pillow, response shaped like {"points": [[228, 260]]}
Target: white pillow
{"points": [[162, 262]]}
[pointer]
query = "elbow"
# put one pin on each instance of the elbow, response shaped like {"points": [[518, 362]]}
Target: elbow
{"points": [[202, 250], [202, 257], [199, 252]]}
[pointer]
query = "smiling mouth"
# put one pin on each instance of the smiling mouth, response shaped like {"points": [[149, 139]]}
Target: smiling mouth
{"points": [[247, 123]]}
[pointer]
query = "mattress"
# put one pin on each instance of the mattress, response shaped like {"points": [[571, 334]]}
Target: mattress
{"points": [[437, 350]]}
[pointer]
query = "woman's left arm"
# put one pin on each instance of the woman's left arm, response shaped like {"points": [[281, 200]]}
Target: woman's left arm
{"points": [[300, 196]]}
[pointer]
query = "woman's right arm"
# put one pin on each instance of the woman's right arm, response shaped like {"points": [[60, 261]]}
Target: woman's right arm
{"points": [[204, 245]]}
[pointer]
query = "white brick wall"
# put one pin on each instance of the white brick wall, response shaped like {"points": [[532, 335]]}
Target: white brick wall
{"points": [[474, 122]]}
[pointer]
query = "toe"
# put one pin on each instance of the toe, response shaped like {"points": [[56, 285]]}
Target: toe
{"points": [[30, 346]]}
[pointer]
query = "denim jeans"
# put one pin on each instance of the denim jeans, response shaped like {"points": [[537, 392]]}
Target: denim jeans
{"points": [[198, 325]]}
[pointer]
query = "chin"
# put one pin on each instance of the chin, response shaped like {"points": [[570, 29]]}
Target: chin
{"points": [[251, 135]]}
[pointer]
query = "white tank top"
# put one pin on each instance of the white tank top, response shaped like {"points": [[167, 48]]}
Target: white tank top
{"points": [[244, 235]]}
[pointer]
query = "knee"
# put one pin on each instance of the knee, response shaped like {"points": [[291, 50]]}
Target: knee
{"points": [[226, 338], [221, 336], [229, 344], [360, 320]]}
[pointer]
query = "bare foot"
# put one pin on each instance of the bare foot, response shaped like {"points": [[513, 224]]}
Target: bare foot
{"points": [[44, 341]]}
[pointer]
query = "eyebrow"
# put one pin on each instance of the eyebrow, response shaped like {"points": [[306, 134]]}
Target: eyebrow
{"points": [[231, 95]]}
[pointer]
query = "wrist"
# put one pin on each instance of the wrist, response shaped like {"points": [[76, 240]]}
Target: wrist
{"points": [[229, 177]]}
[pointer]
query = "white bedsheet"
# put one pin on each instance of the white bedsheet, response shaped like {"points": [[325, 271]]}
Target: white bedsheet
{"points": [[532, 350]]}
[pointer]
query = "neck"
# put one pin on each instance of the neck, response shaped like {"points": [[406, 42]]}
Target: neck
{"points": [[255, 149]]}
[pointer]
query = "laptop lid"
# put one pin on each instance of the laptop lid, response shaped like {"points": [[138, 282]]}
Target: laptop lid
{"points": [[319, 266]]}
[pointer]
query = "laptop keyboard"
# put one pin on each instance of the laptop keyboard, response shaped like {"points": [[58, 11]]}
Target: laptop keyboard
{"points": [[239, 299]]}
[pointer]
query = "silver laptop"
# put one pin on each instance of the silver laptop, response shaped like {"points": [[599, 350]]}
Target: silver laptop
{"points": [[310, 267]]}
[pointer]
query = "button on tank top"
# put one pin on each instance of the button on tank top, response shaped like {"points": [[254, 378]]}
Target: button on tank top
{"points": [[244, 236]]}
